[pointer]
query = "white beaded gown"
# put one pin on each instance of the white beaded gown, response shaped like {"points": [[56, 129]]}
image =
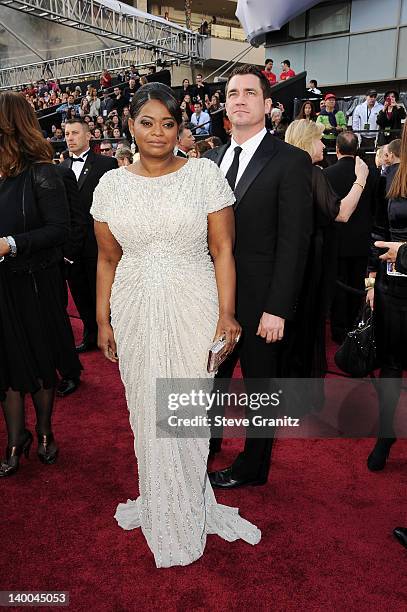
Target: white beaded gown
{"points": [[164, 310]]}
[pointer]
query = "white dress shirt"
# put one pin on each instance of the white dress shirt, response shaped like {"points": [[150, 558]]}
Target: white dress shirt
{"points": [[77, 167], [249, 148], [362, 115]]}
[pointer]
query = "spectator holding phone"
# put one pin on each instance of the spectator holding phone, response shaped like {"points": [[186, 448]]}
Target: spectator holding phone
{"points": [[390, 117]]}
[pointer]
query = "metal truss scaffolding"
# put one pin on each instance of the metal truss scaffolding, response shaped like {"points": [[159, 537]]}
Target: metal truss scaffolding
{"points": [[154, 38], [77, 66]]}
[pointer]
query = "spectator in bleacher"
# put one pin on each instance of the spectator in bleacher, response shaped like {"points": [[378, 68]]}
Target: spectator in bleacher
{"points": [[84, 107], [364, 119], [287, 71], [313, 88], [131, 89], [268, 72], [201, 118], [186, 139], [106, 148], [116, 121], [117, 133], [97, 133], [124, 156], [307, 111], [94, 104], [100, 122], [186, 89], [67, 108], [278, 125], [187, 108], [353, 237], [390, 117], [119, 101], [107, 132], [58, 136], [217, 114], [334, 121], [106, 104], [105, 79], [200, 89], [321, 107]]}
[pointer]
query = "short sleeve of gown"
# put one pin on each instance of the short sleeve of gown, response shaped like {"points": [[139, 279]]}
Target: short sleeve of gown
{"points": [[219, 194], [327, 203], [100, 203]]}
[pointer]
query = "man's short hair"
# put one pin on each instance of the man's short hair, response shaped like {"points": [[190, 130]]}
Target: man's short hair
{"points": [[198, 102], [395, 147], [268, 60], [186, 125], [314, 82], [287, 62], [79, 120], [251, 69], [347, 143]]}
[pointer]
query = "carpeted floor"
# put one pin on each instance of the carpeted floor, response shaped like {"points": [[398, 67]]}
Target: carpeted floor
{"points": [[326, 522]]}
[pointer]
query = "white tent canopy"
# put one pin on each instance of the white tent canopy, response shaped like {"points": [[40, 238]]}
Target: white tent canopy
{"points": [[261, 16]]}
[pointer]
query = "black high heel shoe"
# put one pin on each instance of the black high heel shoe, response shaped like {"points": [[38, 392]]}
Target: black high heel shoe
{"points": [[45, 454], [378, 457], [11, 464]]}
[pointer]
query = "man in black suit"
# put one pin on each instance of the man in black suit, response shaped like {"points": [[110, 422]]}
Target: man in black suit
{"points": [[186, 139], [353, 236], [273, 212], [71, 251], [88, 168]]}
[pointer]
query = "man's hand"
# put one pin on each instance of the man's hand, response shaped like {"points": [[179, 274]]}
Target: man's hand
{"points": [[392, 247], [271, 327]]}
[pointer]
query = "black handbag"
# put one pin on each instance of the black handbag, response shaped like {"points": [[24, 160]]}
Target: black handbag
{"points": [[357, 355]]}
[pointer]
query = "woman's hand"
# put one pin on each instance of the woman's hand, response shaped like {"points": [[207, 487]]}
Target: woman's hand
{"points": [[370, 297], [361, 170], [106, 342], [228, 326]]}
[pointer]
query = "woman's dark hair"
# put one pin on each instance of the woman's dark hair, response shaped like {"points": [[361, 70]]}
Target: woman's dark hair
{"points": [[21, 140], [301, 114], [392, 91], [398, 187], [156, 91]]}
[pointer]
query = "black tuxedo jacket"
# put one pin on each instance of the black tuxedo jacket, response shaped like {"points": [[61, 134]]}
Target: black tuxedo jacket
{"points": [[182, 154], [93, 169], [73, 246], [274, 219], [354, 236]]}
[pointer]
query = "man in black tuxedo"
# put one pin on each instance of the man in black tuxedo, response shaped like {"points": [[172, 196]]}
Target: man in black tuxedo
{"points": [[273, 213], [186, 139], [71, 251], [88, 168], [353, 236]]}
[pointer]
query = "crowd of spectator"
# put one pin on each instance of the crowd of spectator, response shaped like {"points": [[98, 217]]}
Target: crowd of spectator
{"points": [[106, 110]]}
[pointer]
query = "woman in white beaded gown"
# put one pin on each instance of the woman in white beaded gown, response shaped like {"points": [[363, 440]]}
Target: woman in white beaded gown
{"points": [[158, 222]]}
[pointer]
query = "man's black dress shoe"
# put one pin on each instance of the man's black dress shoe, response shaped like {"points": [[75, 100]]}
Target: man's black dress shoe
{"points": [[222, 479], [86, 346], [401, 534], [66, 386]]}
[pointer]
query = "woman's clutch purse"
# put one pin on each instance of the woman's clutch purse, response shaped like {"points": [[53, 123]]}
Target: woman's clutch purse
{"points": [[217, 355]]}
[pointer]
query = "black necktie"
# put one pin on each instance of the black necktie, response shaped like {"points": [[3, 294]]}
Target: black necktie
{"points": [[233, 170]]}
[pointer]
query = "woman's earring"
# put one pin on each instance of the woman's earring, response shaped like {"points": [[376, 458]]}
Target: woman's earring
{"points": [[133, 146]]}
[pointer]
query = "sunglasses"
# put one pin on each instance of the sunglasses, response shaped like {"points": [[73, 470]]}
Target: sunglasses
{"points": [[103, 150]]}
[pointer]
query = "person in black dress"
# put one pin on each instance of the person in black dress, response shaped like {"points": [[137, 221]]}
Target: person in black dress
{"points": [[390, 117], [388, 297], [305, 352], [35, 334]]}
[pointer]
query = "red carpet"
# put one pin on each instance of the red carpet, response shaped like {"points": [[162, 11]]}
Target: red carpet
{"points": [[326, 523]]}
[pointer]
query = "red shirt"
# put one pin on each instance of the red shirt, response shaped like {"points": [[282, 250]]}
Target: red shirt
{"points": [[271, 77], [286, 75]]}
